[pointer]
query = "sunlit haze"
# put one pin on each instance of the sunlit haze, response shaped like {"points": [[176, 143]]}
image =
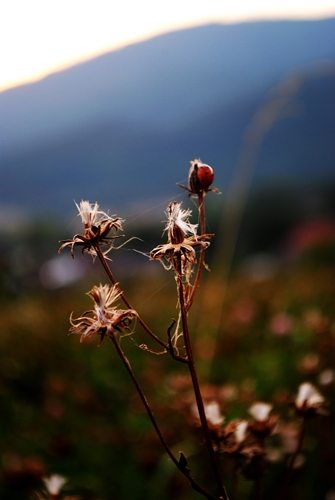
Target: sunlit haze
{"points": [[38, 37]]}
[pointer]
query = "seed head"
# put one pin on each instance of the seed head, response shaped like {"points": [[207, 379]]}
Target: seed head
{"points": [[97, 226], [105, 318]]}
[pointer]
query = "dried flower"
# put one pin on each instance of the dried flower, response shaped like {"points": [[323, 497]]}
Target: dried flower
{"points": [[97, 226], [179, 245], [54, 483], [107, 319], [309, 401]]}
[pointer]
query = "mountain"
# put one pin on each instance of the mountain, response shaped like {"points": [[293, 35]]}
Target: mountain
{"points": [[122, 127]]}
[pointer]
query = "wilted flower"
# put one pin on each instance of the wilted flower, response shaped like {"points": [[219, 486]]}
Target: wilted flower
{"points": [[308, 401], [97, 226], [179, 245], [107, 319], [54, 483]]}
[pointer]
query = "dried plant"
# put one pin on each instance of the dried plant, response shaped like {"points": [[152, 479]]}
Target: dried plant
{"points": [[244, 442]]}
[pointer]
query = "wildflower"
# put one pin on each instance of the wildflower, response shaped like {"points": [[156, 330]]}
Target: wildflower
{"points": [[281, 324], [260, 411], [235, 437], [326, 377], [97, 226], [180, 244], [54, 483], [106, 319], [309, 401], [264, 423], [240, 433], [213, 414]]}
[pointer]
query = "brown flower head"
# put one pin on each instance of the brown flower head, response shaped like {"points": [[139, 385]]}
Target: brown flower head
{"points": [[105, 318], [180, 245], [97, 226]]}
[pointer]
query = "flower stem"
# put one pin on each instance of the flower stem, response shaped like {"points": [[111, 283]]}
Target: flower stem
{"points": [[285, 483], [195, 382], [202, 250], [144, 400]]}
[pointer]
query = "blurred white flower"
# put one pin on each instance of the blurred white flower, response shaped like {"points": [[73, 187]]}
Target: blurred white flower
{"points": [[240, 431], [260, 411], [308, 397], [326, 377], [213, 414], [54, 483]]}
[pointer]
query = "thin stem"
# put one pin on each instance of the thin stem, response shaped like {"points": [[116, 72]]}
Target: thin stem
{"points": [[290, 468], [144, 400], [175, 356], [202, 249], [259, 488], [195, 382], [110, 275], [235, 482]]}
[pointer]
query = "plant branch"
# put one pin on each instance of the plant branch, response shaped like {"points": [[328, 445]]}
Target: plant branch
{"points": [[282, 491], [195, 382], [144, 400], [175, 356], [202, 250]]}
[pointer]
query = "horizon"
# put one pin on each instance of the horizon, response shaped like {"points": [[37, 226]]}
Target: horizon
{"points": [[53, 47]]}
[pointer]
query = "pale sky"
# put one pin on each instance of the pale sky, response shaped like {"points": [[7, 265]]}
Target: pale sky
{"points": [[38, 37]]}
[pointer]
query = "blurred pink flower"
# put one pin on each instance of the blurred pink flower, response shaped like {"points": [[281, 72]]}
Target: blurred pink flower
{"points": [[281, 324]]}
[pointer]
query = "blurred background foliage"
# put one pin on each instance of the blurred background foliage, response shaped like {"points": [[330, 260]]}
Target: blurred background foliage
{"points": [[259, 331]]}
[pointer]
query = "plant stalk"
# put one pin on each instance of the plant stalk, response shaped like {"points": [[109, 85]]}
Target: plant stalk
{"points": [[144, 400], [195, 382]]}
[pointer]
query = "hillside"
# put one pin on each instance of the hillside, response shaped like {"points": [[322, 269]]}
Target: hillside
{"points": [[125, 125]]}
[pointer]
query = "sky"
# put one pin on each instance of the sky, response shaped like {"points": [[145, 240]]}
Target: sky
{"points": [[38, 37]]}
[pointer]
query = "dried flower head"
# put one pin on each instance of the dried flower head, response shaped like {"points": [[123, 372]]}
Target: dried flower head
{"points": [[97, 226], [179, 244], [309, 401], [106, 319]]}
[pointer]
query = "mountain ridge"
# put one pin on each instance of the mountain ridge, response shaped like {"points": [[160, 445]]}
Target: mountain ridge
{"points": [[69, 141]]}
